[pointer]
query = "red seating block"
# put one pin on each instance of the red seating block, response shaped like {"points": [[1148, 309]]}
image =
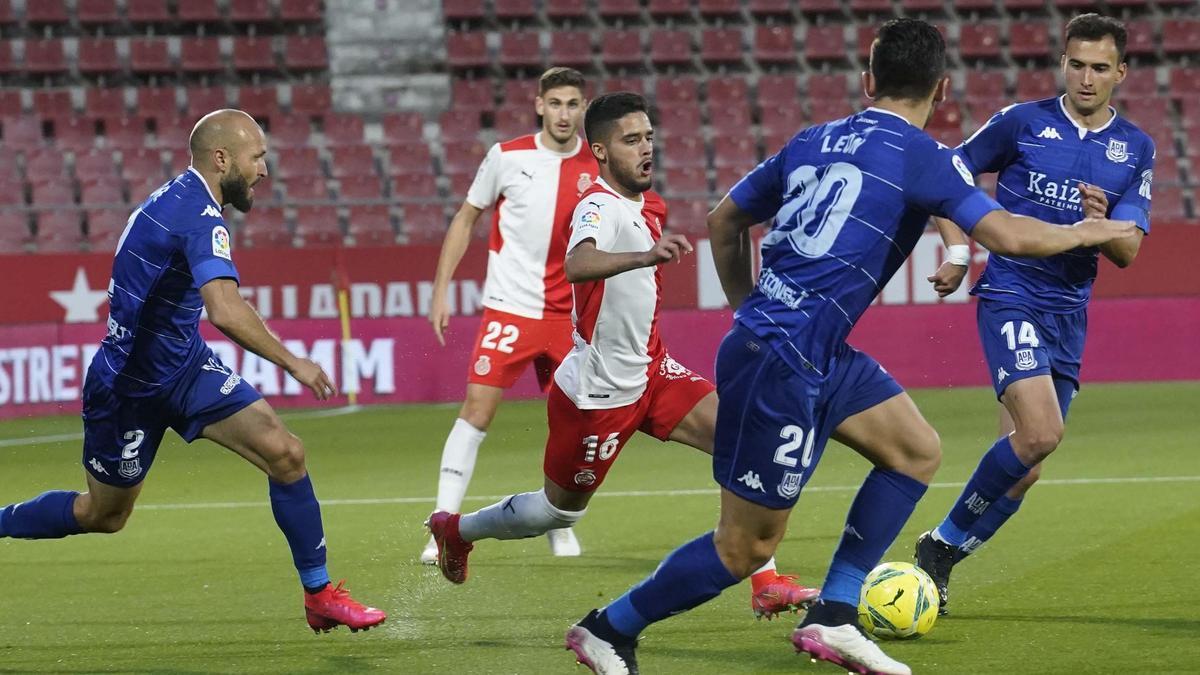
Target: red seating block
{"points": [[361, 188], [403, 127], [307, 188], [621, 48], [1036, 84], [148, 56], [774, 45], [1140, 38], [45, 57], [318, 226], [514, 10], [352, 160], [739, 152], [305, 52], [44, 165], [1181, 36], [1029, 39], [98, 56], [411, 157], [302, 11], [619, 9], [721, 46], [199, 11], [571, 48], [979, 41], [311, 99], [52, 102], [260, 102], [343, 129], [49, 12], [459, 125], [157, 102], [253, 53], [250, 11], [297, 162], [101, 192], [199, 101], [520, 49], [466, 50], [671, 47], [97, 12], [142, 12], [125, 132], [371, 225], [201, 55], [463, 10], [406, 186]]}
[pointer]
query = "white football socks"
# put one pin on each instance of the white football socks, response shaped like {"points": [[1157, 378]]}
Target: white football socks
{"points": [[458, 463], [528, 514]]}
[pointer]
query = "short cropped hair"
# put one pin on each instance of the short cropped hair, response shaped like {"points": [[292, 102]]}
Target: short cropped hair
{"points": [[1095, 27], [560, 76], [604, 111], [908, 59]]}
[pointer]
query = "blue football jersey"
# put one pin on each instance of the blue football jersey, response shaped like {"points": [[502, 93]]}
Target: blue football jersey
{"points": [[173, 244], [849, 200], [1041, 155]]}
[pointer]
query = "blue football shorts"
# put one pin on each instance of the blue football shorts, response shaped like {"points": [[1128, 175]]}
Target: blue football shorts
{"points": [[1021, 342]]}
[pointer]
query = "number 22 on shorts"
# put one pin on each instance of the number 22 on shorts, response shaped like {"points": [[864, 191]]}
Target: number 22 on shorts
{"points": [[507, 334]]}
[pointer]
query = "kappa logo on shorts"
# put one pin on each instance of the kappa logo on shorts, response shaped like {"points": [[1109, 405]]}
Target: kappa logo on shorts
{"points": [[483, 366], [752, 481], [97, 466], [1025, 359], [230, 383], [585, 477], [1001, 374], [789, 487]]}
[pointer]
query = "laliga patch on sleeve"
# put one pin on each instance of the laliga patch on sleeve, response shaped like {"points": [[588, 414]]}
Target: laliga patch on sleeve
{"points": [[220, 242], [590, 220], [962, 169]]}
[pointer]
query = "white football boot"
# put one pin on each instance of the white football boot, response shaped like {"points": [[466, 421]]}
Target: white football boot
{"points": [[563, 543]]}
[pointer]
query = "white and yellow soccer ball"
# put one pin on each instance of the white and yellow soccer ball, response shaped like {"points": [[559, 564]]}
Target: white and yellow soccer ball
{"points": [[898, 602]]}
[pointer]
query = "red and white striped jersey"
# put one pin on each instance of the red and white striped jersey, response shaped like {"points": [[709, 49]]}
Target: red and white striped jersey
{"points": [[616, 319], [534, 190]]}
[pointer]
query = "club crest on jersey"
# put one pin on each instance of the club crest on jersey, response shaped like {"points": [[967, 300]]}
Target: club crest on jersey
{"points": [[483, 366], [1025, 359], [584, 182], [789, 487], [585, 477], [220, 242], [1116, 150]]}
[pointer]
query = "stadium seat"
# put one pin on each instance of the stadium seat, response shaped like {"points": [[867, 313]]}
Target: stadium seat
{"points": [[301, 11], [459, 125], [776, 90], [97, 56], [1181, 36], [104, 101], [105, 226], [45, 57], [818, 7], [923, 8], [148, 56], [463, 10], [371, 225], [1166, 169], [95, 164], [1168, 202], [201, 55], [947, 116], [734, 151], [683, 151], [567, 10], [12, 193], [824, 44], [360, 188], [306, 189], [22, 133], [618, 10], [974, 7], [1024, 6], [730, 118], [147, 12], [297, 162], [173, 134], [984, 84], [250, 11], [266, 227], [826, 86], [1139, 84], [1036, 84], [45, 164], [157, 101], [671, 48], [621, 48], [415, 185], [571, 48], [781, 120], [253, 53], [92, 13], [259, 101], [721, 46], [318, 226], [825, 110], [519, 91], [635, 84], [74, 133], [199, 11], [729, 90], [304, 53], [1029, 40], [676, 119], [1140, 38], [719, 10], [59, 231], [979, 41], [727, 176], [981, 109], [125, 132], [688, 217], [869, 7], [352, 160], [199, 101], [461, 157], [466, 50], [140, 164], [520, 49], [52, 102], [402, 127], [343, 129], [514, 121], [514, 10], [668, 10], [311, 99], [14, 232], [101, 192], [410, 157], [47, 13], [473, 94], [770, 9], [775, 45], [425, 223], [676, 91], [10, 101]]}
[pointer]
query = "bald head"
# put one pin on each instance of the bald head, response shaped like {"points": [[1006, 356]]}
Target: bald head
{"points": [[229, 149]]}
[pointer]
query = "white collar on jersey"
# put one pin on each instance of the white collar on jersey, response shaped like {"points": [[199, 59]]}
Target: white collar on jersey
{"points": [[537, 140], [636, 203], [205, 184], [1082, 130], [888, 112]]}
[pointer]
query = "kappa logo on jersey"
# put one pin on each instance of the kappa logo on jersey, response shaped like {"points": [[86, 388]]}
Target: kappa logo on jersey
{"points": [[210, 210], [962, 170], [789, 487], [1057, 194], [1026, 360], [220, 242], [1116, 150], [1050, 132], [584, 182], [483, 366], [752, 481], [1147, 179]]}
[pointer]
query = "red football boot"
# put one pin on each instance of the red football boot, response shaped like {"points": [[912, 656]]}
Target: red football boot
{"points": [[333, 607], [781, 594], [452, 550]]}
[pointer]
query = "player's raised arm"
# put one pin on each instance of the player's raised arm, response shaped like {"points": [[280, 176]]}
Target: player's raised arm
{"points": [[585, 262], [233, 316], [729, 238], [1009, 234], [454, 247]]}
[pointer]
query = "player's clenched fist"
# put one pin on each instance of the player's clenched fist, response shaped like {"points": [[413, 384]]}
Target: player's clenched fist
{"points": [[669, 247]]}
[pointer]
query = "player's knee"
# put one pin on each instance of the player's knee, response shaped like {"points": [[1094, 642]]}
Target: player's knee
{"points": [[106, 521], [286, 461], [1039, 441], [923, 454], [477, 414], [743, 552]]}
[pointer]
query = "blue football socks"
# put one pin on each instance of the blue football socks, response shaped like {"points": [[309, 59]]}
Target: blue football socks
{"points": [[299, 517], [992, 520], [998, 471], [50, 515]]}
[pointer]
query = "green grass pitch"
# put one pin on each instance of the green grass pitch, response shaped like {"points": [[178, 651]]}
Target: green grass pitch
{"points": [[1096, 574]]}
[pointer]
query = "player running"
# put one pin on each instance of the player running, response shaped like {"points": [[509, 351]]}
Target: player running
{"points": [[849, 200], [619, 378], [1056, 158], [154, 371], [534, 181]]}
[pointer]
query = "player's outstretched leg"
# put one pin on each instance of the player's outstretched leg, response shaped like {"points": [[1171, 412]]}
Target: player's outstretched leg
{"points": [[256, 433], [831, 633], [452, 550], [772, 593]]}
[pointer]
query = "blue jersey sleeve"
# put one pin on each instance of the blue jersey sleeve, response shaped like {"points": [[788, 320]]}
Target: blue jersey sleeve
{"points": [[994, 146], [209, 252], [1134, 204], [760, 192], [936, 180]]}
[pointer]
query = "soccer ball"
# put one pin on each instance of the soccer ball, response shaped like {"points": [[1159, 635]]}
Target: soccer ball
{"points": [[898, 602]]}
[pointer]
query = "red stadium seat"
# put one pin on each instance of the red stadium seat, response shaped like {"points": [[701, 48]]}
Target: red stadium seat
{"points": [[520, 49], [371, 225], [424, 223], [145, 12], [721, 46], [472, 94], [467, 50], [974, 7], [688, 216], [352, 160], [415, 185], [54, 192], [634, 84], [305, 52], [95, 164], [984, 84], [14, 232], [289, 131], [686, 181], [567, 10], [684, 151], [104, 101], [10, 101], [411, 157], [148, 56], [301, 11], [45, 57], [47, 12], [1140, 38], [1168, 202], [22, 133], [402, 127], [1025, 6], [75, 133], [311, 99], [44, 165], [621, 48], [59, 231], [571, 48], [297, 162], [1185, 85], [1139, 83], [782, 120], [1036, 84], [157, 101], [173, 134], [199, 101], [671, 47], [979, 41], [105, 226], [947, 116], [734, 90], [318, 226], [266, 227], [923, 7], [514, 121], [777, 90], [307, 189], [871, 7], [98, 56], [676, 90], [140, 164], [199, 11], [825, 110], [199, 55], [343, 129], [519, 91], [1029, 39], [676, 119], [101, 192], [460, 156], [250, 11], [661, 10], [610, 10], [253, 53], [720, 9], [727, 176], [775, 45], [459, 125], [125, 132], [260, 102], [515, 10], [760, 9], [463, 10], [1166, 169], [1181, 36], [814, 7], [1150, 114], [826, 86], [735, 151], [730, 118], [52, 102], [360, 188], [97, 12]]}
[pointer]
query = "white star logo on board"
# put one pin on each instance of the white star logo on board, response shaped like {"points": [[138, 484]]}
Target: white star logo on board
{"points": [[81, 302]]}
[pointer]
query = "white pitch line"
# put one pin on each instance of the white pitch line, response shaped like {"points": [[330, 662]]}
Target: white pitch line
{"points": [[57, 438], [650, 493]]}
